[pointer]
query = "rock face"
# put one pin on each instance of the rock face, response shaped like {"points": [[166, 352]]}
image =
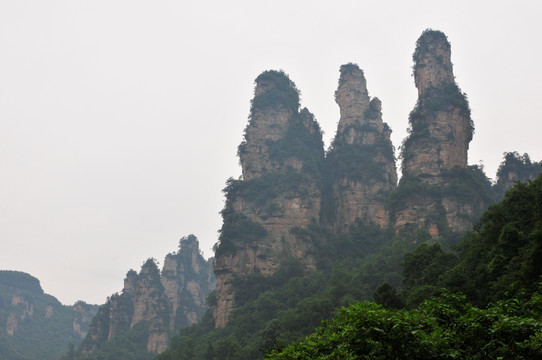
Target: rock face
{"points": [[158, 302], [281, 157], [28, 316], [441, 127], [514, 168], [435, 152], [289, 185], [361, 161]]}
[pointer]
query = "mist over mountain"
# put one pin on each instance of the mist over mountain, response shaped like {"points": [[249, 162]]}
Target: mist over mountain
{"points": [[307, 231]]}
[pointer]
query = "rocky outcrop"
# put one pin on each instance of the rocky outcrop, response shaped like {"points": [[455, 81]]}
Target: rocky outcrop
{"points": [[83, 317], [435, 152], [28, 316], [281, 158], [440, 124], [515, 168], [160, 303], [287, 184], [275, 122], [187, 279], [361, 161]]}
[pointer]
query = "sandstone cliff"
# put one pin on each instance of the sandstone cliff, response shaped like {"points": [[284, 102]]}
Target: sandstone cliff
{"points": [[361, 161], [440, 124], [34, 324], [288, 185], [281, 158], [155, 303], [438, 190]]}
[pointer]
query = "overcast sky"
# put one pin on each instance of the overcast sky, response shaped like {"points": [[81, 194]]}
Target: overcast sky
{"points": [[120, 120]]}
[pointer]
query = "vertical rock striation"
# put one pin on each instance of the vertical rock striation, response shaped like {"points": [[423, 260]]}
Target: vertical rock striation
{"points": [[281, 159], [187, 279], [438, 190], [440, 124], [361, 161], [158, 302]]}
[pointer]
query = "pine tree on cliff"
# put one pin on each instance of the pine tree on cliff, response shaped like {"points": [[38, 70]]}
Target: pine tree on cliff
{"points": [[438, 192]]}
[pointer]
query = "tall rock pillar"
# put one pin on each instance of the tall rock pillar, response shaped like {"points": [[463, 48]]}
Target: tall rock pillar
{"points": [[281, 158], [361, 162], [438, 192]]}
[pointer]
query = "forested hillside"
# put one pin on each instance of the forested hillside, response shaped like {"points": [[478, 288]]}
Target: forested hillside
{"points": [[487, 304], [35, 325]]}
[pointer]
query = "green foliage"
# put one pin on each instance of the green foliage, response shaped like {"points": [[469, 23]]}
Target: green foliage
{"points": [[352, 266], [128, 345], [467, 185], [446, 98], [350, 67], [501, 256], [303, 141], [422, 269], [279, 91], [446, 327], [265, 189], [499, 259], [276, 310], [44, 327], [112, 334], [357, 161], [428, 38], [20, 282], [264, 192], [276, 90], [237, 230], [387, 296], [515, 167]]}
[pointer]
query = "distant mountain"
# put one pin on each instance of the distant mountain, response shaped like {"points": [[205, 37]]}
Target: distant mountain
{"points": [[34, 325], [153, 305]]}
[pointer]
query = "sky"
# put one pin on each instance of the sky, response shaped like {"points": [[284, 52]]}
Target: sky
{"points": [[120, 119]]}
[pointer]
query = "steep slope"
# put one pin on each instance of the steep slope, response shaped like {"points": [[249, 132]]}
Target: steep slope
{"points": [[152, 305], [281, 158], [289, 213], [36, 325], [438, 191], [361, 161]]}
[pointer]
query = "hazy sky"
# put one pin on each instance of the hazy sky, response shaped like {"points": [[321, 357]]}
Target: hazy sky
{"points": [[120, 120]]}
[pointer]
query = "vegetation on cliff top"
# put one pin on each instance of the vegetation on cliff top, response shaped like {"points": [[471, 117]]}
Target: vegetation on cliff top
{"points": [[447, 98], [468, 185], [514, 168], [278, 91], [35, 325]]}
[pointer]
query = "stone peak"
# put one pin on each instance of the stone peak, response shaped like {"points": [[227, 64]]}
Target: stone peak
{"points": [[432, 61], [189, 242], [352, 96], [274, 88]]}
